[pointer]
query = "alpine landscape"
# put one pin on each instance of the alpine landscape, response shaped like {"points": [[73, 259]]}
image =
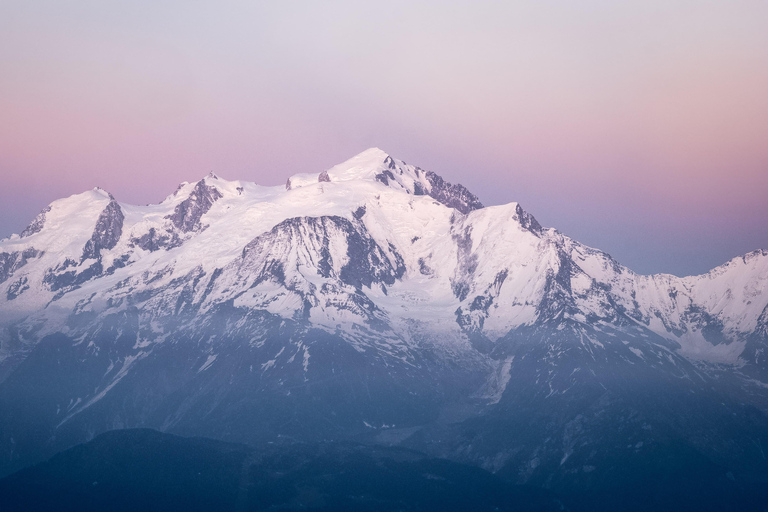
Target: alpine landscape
{"points": [[377, 304]]}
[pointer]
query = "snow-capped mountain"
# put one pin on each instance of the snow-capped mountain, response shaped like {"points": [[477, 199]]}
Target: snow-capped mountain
{"points": [[371, 300], [372, 241]]}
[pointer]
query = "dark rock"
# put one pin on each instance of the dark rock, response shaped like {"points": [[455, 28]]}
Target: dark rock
{"points": [[390, 162], [467, 264], [153, 240], [10, 262], [425, 269], [385, 176], [453, 196], [527, 220], [58, 280], [17, 288], [367, 262], [118, 263], [187, 214], [106, 234], [37, 225]]}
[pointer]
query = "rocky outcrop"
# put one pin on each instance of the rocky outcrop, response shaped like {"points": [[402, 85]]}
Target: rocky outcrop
{"points": [[336, 247], [17, 288], [10, 262], [106, 234], [37, 225], [454, 196], [527, 220], [187, 214], [154, 240]]}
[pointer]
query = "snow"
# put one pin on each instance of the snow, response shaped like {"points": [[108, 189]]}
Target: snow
{"points": [[302, 180], [271, 363], [499, 381], [488, 253], [208, 362], [127, 363]]}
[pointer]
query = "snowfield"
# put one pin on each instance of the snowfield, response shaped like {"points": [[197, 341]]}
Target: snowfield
{"points": [[438, 262]]}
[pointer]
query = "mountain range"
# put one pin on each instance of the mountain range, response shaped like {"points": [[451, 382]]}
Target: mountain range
{"points": [[376, 302]]}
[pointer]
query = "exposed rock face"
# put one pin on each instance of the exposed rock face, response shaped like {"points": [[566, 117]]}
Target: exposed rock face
{"points": [[186, 216], [109, 229], [341, 252], [527, 220], [17, 288], [384, 305], [71, 272], [345, 251], [466, 263], [385, 177], [61, 278], [37, 225], [11, 262], [155, 239], [453, 196]]}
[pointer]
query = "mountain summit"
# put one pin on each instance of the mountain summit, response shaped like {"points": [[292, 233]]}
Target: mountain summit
{"points": [[372, 301], [376, 165]]}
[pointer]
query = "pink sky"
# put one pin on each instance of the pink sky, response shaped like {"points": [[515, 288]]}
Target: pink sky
{"points": [[640, 128]]}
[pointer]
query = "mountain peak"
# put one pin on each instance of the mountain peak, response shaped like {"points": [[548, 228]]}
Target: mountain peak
{"points": [[187, 214], [383, 297], [365, 165], [373, 153], [100, 192], [376, 165]]}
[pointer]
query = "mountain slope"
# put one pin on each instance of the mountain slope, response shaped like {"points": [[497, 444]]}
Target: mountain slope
{"points": [[373, 301], [452, 253], [146, 470]]}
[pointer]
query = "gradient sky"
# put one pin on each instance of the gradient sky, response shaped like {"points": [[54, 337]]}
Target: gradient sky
{"points": [[638, 127]]}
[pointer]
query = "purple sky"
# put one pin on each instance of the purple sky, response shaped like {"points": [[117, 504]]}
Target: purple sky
{"points": [[638, 127]]}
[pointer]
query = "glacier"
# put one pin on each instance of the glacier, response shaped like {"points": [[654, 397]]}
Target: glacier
{"points": [[371, 293]]}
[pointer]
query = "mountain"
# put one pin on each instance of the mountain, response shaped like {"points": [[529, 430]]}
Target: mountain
{"points": [[377, 302], [146, 470]]}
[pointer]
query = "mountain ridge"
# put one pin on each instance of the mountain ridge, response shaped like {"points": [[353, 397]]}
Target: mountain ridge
{"points": [[185, 215], [371, 301]]}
